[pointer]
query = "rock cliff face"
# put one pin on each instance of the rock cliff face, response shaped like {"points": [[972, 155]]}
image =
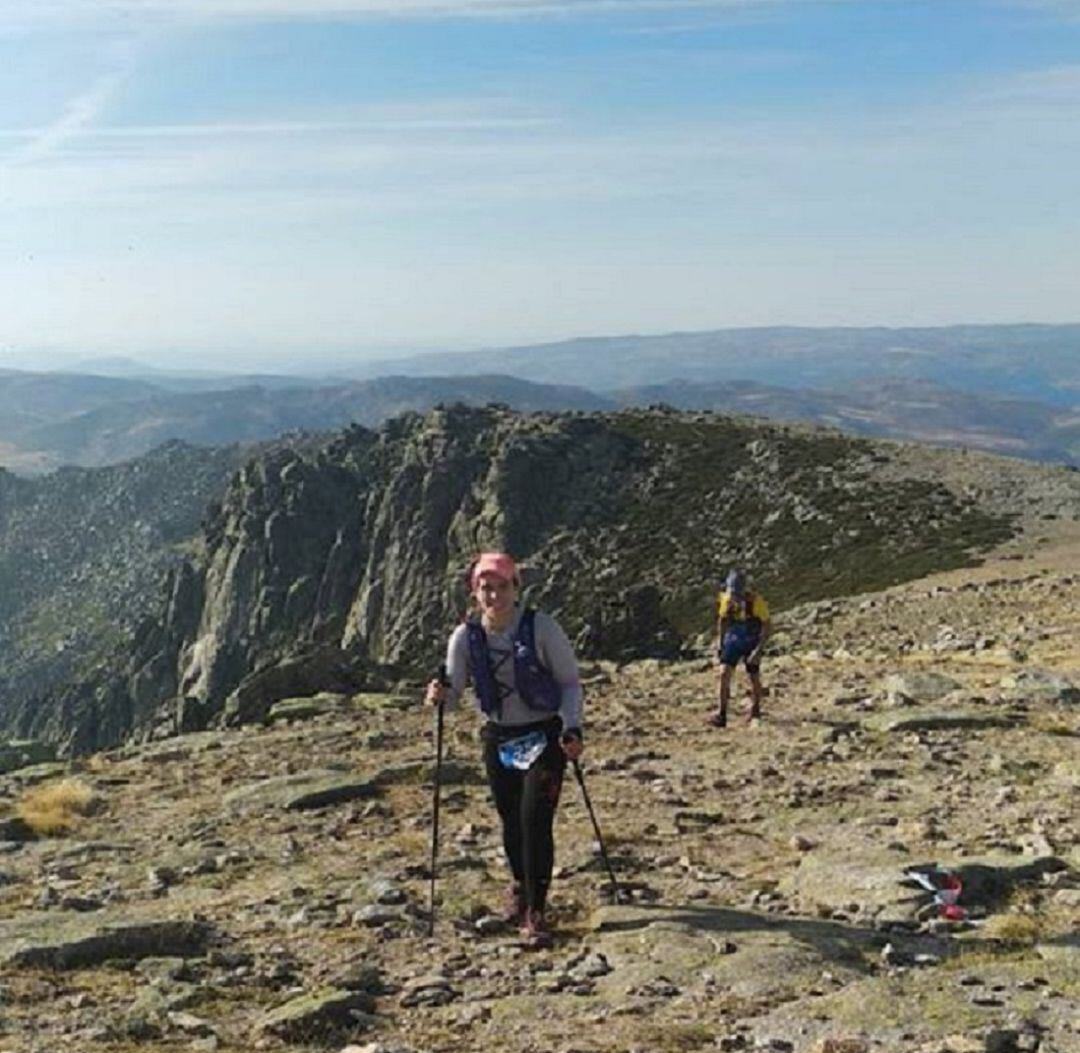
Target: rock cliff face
{"points": [[340, 565], [82, 555]]}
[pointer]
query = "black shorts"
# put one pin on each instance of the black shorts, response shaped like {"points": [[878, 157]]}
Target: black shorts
{"points": [[737, 648]]}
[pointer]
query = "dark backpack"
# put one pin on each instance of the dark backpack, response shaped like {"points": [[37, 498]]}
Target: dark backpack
{"points": [[750, 625], [532, 680]]}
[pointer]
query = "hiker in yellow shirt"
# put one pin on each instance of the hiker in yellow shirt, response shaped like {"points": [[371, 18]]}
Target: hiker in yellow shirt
{"points": [[742, 627]]}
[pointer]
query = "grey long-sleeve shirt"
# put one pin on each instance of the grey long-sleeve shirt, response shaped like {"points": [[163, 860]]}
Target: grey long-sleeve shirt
{"points": [[555, 654]]}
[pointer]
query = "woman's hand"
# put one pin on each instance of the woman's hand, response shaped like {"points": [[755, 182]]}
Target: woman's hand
{"points": [[437, 693], [572, 745]]}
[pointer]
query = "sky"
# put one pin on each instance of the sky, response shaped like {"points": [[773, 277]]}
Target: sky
{"points": [[257, 183]]}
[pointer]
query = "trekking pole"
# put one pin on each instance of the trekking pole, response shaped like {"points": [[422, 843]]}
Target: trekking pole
{"points": [[435, 804], [596, 827]]}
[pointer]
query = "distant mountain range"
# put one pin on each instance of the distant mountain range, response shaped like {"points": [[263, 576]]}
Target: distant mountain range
{"points": [[1009, 389], [917, 410], [1039, 362], [119, 419]]}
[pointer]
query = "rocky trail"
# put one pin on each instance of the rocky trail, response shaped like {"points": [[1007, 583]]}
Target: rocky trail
{"points": [[266, 889]]}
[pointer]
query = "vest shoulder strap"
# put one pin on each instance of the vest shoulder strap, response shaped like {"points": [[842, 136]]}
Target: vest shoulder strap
{"points": [[526, 632]]}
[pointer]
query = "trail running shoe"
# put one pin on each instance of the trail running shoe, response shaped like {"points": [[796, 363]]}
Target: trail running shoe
{"points": [[534, 929], [717, 719]]}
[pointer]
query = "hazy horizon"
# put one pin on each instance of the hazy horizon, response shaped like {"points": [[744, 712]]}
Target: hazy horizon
{"points": [[309, 363], [234, 184]]}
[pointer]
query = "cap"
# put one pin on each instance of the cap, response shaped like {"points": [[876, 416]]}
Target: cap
{"points": [[736, 582], [498, 563]]}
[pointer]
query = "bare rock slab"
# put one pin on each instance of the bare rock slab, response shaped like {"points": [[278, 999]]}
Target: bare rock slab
{"points": [[21, 753], [822, 884], [417, 772], [892, 1009], [825, 884], [318, 1016], [958, 719], [301, 791], [660, 951], [1068, 772], [299, 709], [55, 941], [1063, 952], [36, 773], [1039, 685]]}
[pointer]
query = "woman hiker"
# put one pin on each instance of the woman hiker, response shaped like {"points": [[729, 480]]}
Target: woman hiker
{"points": [[525, 676]]}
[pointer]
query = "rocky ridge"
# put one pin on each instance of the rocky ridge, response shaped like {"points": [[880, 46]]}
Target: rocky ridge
{"points": [[338, 566], [266, 888]]}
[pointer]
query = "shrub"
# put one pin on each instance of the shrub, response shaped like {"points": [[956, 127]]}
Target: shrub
{"points": [[55, 808]]}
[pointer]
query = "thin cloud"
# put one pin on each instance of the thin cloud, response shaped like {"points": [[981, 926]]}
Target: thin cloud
{"points": [[483, 151], [421, 157], [77, 127], [1069, 9], [260, 129], [14, 12], [80, 113], [73, 127], [1054, 86]]}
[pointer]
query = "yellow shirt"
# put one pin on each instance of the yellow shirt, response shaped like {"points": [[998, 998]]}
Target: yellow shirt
{"points": [[737, 610]]}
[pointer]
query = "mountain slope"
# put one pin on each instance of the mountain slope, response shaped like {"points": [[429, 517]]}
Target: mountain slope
{"points": [[82, 554], [30, 399], [340, 564], [275, 882]]}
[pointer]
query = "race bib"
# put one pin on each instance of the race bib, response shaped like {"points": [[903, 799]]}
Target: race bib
{"points": [[521, 753]]}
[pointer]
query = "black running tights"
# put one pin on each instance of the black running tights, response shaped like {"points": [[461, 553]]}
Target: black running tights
{"points": [[526, 802]]}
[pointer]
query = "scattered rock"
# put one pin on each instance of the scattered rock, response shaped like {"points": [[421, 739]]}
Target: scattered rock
{"points": [[374, 916], [918, 687], [434, 990], [317, 1016]]}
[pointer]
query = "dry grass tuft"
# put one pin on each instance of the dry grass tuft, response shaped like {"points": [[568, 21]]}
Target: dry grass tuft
{"points": [[57, 807], [96, 763], [1016, 928]]}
